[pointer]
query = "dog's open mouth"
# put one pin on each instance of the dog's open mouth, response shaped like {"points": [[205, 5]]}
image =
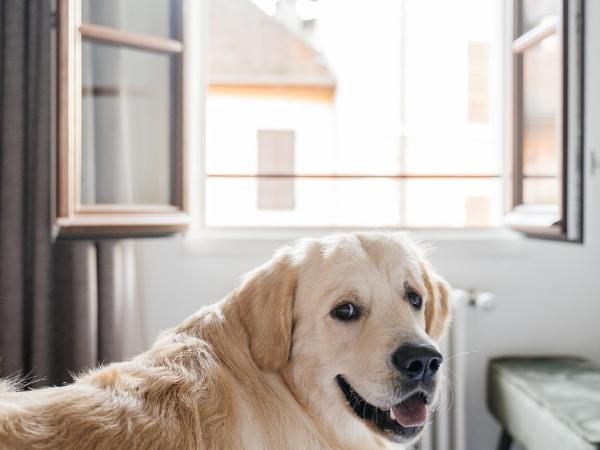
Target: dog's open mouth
{"points": [[402, 421]]}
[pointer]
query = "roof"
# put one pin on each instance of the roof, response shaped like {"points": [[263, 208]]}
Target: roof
{"points": [[248, 47]]}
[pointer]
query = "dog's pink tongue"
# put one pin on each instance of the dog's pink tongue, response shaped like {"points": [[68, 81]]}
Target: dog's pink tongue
{"points": [[412, 412]]}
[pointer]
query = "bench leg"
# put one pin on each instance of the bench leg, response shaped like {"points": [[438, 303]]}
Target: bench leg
{"points": [[505, 442]]}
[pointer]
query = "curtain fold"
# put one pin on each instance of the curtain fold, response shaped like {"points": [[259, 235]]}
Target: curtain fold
{"points": [[120, 332], [65, 306]]}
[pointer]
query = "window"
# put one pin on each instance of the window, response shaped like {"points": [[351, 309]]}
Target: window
{"points": [[276, 155], [346, 113], [547, 130], [479, 95], [120, 97]]}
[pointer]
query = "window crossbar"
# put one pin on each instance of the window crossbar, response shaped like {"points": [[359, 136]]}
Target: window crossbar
{"points": [[357, 176], [535, 35], [130, 39]]}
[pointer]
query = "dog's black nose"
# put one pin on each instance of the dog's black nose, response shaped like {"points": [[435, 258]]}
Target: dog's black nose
{"points": [[417, 362]]}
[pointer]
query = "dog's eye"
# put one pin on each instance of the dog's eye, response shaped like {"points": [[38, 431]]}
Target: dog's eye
{"points": [[414, 299], [346, 311]]}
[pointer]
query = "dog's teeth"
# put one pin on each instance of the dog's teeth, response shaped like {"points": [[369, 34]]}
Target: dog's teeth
{"points": [[392, 414]]}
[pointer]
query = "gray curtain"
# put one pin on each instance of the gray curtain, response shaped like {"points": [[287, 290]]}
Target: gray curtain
{"points": [[64, 305]]}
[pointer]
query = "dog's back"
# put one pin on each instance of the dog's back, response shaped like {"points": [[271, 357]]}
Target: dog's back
{"points": [[197, 388], [150, 402]]}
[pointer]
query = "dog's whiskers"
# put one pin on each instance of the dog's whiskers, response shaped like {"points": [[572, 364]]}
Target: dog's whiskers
{"points": [[456, 355]]}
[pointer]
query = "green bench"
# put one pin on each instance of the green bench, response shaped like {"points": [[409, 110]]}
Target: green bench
{"points": [[546, 403]]}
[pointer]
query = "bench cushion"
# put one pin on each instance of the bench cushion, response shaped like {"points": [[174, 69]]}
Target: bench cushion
{"points": [[547, 403]]}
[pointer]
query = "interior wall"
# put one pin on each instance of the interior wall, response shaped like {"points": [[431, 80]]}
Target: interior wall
{"points": [[548, 293]]}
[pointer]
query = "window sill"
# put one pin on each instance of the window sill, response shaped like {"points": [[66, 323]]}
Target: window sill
{"points": [[227, 241]]}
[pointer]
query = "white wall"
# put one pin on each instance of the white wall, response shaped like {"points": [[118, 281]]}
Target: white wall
{"points": [[548, 293]]}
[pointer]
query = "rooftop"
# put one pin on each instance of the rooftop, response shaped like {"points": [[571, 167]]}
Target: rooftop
{"points": [[249, 47]]}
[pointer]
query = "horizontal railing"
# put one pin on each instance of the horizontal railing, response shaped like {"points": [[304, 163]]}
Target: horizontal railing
{"points": [[358, 176]]}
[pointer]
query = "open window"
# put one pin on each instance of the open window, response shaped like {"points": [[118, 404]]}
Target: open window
{"points": [[121, 156], [351, 115], [547, 118]]}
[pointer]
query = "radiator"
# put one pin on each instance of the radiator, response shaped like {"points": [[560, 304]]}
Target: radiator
{"points": [[446, 430]]}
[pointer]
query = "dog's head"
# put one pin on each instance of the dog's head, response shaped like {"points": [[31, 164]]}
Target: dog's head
{"points": [[352, 321]]}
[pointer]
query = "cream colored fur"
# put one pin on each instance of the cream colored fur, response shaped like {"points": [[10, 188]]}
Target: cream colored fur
{"points": [[256, 370]]}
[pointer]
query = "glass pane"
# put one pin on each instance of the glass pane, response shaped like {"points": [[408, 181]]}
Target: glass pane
{"points": [[535, 12], [358, 202], [154, 17], [541, 118], [127, 126], [541, 191]]}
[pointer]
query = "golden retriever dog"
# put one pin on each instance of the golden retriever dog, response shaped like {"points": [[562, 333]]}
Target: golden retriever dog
{"points": [[329, 345]]}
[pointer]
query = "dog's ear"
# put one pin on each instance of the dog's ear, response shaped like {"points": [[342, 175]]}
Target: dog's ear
{"points": [[437, 307], [265, 302]]}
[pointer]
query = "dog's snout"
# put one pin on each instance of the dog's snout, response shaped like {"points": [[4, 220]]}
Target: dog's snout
{"points": [[417, 362]]}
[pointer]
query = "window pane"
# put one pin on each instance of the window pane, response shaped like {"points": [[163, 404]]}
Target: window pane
{"points": [[127, 126], [535, 12], [541, 191], [401, 102], [359, 202], [540, 119], [154, 17], [479, 82], [276, 156]]}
